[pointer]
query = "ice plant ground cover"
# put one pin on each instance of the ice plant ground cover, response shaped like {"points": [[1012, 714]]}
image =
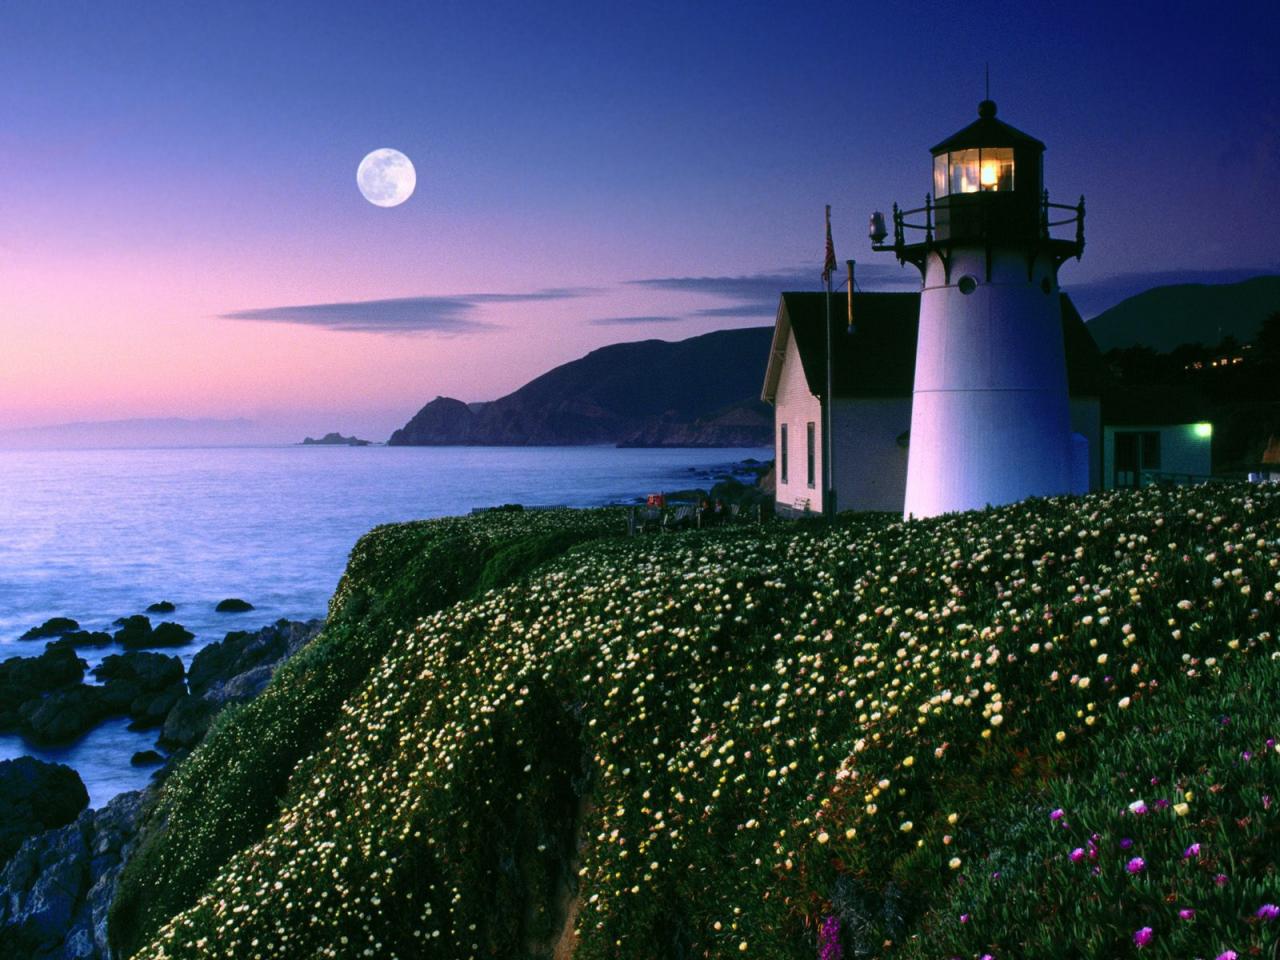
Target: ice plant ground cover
{"points": [[221, 798], [1042, 731]]}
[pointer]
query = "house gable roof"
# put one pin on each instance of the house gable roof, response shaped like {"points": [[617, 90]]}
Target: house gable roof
{"points": [[878, 359]]}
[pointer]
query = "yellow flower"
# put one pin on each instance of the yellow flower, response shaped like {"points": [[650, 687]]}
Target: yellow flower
{"points": [[908, 761], [1181, 809], [954, 863], [953, 817], [906, 826], [997, 719], [823, 837], [1060, 735], [850, 833]]}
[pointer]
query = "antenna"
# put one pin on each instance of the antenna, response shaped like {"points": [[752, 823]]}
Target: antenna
{"points": [[988, 74]]}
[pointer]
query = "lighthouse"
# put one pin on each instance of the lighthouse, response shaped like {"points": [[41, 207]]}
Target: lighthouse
{"points": [[990, 420]]}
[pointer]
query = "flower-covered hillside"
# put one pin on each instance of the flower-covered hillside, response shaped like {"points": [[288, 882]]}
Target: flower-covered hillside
{"points": [[875, 739], [222, 797]]}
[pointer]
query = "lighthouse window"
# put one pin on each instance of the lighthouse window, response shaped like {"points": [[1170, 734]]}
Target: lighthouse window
{"points": [[969, 171], [964, 171]]}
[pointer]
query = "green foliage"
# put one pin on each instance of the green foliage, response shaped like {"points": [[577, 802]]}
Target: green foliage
{"points": [[221, 797], [725, 739]]}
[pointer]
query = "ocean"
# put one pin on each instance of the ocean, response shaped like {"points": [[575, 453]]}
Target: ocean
{"points": [[100, 534]]}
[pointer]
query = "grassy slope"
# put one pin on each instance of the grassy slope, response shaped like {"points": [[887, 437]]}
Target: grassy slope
{"points": [[222, 797], [757, 734]]}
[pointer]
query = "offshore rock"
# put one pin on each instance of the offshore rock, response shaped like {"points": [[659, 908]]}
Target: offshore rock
{"points": [[134, 631], [36, 796], [233, 670], [243, 650], [233, 605], [23, 679], [53, 627], [59, 884], [63, 715]]}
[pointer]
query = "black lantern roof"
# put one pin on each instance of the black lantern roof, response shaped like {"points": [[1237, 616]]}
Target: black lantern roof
{"points": [[987, 131]]}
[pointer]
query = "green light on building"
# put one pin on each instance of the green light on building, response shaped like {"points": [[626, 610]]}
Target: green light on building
{"points": [[1203, 430]]}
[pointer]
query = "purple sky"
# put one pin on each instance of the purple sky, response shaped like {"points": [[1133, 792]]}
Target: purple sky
{"points": [[181, 233]]}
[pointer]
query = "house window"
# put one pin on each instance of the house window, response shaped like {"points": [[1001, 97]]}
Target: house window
{"points": [[782, 452], [811, 450]]}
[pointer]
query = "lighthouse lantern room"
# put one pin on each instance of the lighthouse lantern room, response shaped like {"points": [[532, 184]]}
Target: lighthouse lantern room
{"points": [[989, 419]]}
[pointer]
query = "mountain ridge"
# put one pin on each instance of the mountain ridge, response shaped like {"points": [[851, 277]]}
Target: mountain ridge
{"points": [[699, 392], [1166, 317]]}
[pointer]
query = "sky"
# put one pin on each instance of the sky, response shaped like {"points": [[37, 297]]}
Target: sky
{"points": [[181, 234]]}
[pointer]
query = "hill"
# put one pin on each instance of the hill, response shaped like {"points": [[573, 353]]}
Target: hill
{"points": [[1041, 731], [700, 392], [1166, 317]]}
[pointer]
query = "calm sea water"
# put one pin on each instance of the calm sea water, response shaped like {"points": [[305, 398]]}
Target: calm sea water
{"points": [[100, 534]]}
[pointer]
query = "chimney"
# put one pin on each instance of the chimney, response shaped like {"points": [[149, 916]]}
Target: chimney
{"points": [[849, 265]]}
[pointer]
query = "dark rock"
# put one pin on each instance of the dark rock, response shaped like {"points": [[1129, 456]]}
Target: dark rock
{"points": [[85, 638], [170, 635], [27, 678], [63, 715], [233, 605], [36, 796], [142, 684], [164, 606], [335, 440], [53, 627], [134, 631], [145, 758], [149, 709], [243, 650], [153, 671], [59, 884], [188, 722]]}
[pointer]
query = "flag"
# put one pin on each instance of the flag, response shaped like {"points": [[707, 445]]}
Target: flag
{"points": [[829, 264]]}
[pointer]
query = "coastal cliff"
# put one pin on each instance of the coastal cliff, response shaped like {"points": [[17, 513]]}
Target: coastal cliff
{"points": [[700, 392], [865, 738]]}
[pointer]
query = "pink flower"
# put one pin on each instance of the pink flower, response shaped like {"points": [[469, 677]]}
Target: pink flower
{"points": [[1125, 843], [1138, 808], [1136, 865], [1220, 879], [964, 918], [1143, 936], [1191, 851], [1077, 854], [1186, 913], [1267, 912], [1057, 815], [1227, 955]]}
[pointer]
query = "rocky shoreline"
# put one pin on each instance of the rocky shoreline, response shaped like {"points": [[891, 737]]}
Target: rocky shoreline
{"points": [[59, 861]]}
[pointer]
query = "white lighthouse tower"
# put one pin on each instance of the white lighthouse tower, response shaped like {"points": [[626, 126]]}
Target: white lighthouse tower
{"points": [[989, 415]]}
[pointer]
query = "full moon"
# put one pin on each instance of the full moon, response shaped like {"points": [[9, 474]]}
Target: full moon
{"points": [[386, 177]]}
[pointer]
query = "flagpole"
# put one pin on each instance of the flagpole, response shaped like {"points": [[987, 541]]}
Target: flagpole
{"points": [[828, 472]]}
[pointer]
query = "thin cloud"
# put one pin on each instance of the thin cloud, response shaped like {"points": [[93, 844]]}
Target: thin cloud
{"points": [[756, 294], [631, 321], [445, 315]]}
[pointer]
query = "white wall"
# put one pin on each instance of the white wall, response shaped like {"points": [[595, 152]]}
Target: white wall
{"points": [[871, 468], [1182, 451], [795, 406], [990, 422]]}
